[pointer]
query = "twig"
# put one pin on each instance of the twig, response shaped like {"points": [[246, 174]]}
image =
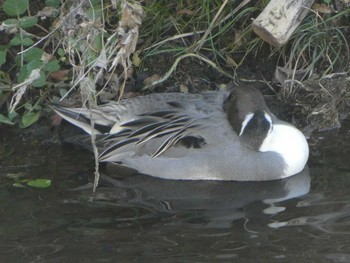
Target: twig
{"points": [[174, 38], [173, 67], [95, 150]]}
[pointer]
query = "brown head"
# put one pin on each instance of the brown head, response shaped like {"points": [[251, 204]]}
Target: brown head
{"points": [[248, 115]]}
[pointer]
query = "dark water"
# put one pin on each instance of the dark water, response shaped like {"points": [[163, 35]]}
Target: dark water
{"points": [[305, 218]]}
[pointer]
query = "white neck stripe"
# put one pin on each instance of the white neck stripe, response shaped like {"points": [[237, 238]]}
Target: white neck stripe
{"points": [[247, 119]]}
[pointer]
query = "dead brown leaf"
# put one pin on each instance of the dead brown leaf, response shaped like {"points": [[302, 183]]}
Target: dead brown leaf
{"points": [[59, 75], [323, 8], [148, 81]]}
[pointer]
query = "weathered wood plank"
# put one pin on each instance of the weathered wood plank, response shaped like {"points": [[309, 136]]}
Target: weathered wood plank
{"points": [[279, 19]]}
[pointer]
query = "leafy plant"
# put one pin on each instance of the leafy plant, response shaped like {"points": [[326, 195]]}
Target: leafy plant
{"points": [[31, 65], [19, 181], [34, 183], [35, 55]]}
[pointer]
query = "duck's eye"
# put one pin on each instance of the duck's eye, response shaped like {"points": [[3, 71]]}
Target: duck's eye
{"points": [[231, 97]]}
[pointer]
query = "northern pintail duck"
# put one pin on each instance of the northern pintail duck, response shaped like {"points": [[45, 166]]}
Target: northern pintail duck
{"points": [[214, 135]]}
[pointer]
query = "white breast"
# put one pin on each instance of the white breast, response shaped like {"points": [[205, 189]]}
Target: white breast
{"points": [[291, 144]]}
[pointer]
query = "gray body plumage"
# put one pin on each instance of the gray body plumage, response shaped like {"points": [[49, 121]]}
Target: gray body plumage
{"points": [[177, 136]]}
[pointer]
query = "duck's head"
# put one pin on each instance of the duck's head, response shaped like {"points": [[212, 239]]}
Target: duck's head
{"points": [[249, 116], [259, 129]]}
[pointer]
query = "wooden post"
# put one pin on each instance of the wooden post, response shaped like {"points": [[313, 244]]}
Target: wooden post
{"points": [[279, 19]]}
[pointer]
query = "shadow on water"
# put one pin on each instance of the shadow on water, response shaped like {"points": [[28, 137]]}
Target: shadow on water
{"points": [[207, 203], [138, 218]]}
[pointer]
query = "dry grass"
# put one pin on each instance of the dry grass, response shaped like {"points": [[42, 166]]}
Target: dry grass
{"points": [[321, 103]]}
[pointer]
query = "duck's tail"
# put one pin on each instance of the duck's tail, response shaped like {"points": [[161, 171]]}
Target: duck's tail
{"points": [[82, 118]]}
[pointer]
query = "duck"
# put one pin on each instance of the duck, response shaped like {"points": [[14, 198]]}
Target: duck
{"points": [[226, 135]]}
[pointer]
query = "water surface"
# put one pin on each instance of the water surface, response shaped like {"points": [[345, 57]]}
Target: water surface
{"points": [[305, 218]]}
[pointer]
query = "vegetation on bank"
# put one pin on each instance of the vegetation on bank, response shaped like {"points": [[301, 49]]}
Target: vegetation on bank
{"points": [[84, 52]]}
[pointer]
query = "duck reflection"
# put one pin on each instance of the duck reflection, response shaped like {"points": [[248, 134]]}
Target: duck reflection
{"points": [[219, 202]]}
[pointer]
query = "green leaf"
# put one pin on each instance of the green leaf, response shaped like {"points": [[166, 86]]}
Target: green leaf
{"points": [[94, 12], [39, 183], [2, 57], [15, 7], [27, 41], [5, 120], [41, 81], [27, 69], [62, 92], [12, 114], [37, 106], [17, 40], [98, 42], [16, 176], [18, 184], [23, 74], [28, 106], [91, 55], [61, 52], [27, 21], [34, 64], [30, 118], [52, 66], [95, 2], [11, 21], [32, 54]]}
